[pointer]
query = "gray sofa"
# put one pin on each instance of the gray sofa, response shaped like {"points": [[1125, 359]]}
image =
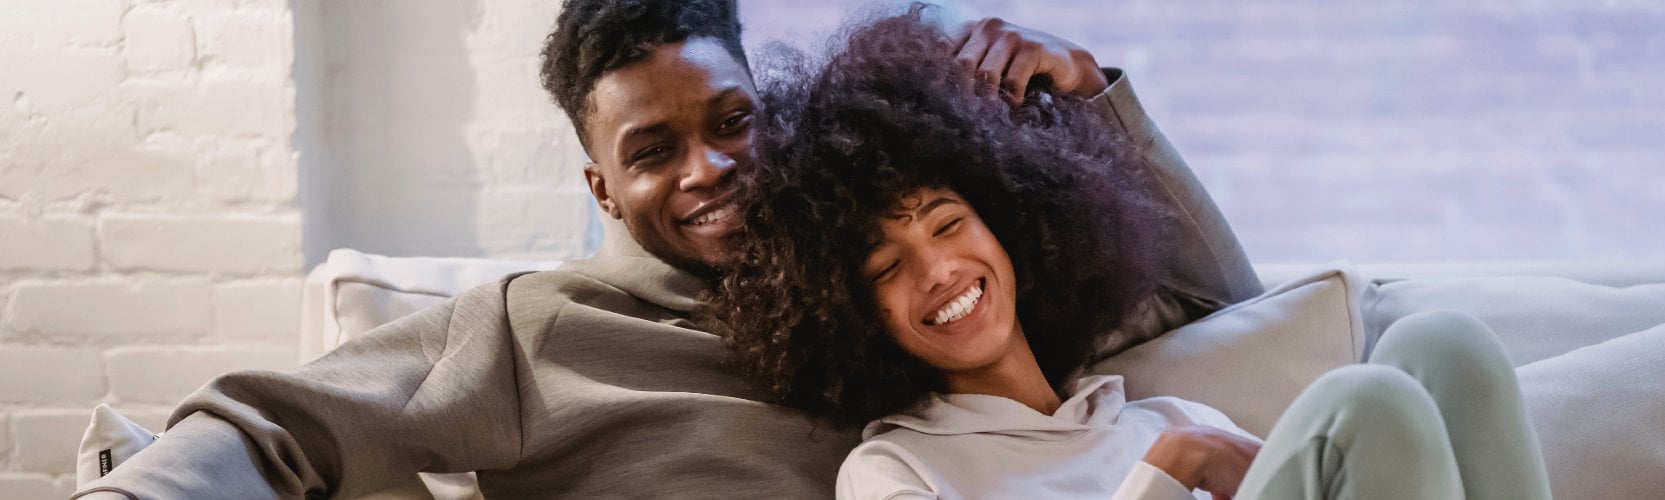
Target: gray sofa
{"points": [[1587, 338]]}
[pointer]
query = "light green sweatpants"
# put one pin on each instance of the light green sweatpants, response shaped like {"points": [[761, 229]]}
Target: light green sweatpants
{"points": [[1435, 414]]}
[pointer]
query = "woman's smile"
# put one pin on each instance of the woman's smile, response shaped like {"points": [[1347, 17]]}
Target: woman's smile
{"points": [[960, 307]]}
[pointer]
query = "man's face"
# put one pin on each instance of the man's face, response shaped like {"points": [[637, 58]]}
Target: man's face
{"points": [[665, 135]]}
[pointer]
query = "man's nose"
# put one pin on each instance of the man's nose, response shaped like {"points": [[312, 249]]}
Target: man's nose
{"points": [[708, 171]]}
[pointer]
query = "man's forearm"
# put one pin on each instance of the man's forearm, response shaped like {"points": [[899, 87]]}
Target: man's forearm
{"points": [[432, 390], [1204, 267]]}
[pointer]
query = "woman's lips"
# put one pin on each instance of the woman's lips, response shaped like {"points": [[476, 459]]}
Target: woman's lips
{"points": [[959, 307]]}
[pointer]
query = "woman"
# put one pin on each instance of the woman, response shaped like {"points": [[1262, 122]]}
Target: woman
{"points": [[931, 260]]}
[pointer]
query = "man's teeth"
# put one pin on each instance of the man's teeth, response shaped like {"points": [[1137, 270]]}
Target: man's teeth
{"points": [[960, 307], [713, 216]]}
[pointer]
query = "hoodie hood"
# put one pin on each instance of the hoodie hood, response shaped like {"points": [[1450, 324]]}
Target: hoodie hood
{"points": [[1096, 400]]}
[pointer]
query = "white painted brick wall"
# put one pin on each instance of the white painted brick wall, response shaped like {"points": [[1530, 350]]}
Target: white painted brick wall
{"points": [[54, 244], [162, 375], [149, 233], [211, 243], [111, 309], [38, 438]]}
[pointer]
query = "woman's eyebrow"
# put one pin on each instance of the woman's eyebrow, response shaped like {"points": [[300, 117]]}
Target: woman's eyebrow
{"points": [[926, 209], [907, 217]]}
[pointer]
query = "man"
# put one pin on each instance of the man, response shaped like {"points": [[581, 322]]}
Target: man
{"points": [[591, 380]]}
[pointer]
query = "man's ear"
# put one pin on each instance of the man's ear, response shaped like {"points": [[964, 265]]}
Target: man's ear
{"points": [[598, 188]]}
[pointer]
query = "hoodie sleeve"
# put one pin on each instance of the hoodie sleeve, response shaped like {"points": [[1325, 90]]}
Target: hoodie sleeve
{"points": [[1205, 269], [1146, 482], [874, 471], [434, 391]]}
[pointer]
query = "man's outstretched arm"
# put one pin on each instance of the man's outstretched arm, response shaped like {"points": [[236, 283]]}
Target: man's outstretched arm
{"points": [[1205, 267], [434, 391]]}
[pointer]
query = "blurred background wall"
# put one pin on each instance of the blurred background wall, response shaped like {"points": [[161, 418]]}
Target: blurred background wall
{"points": [[1419, 130], [169, 168], [149, 232]]}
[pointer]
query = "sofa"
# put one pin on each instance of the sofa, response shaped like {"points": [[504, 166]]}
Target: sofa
{"points": [[1588, 340]]}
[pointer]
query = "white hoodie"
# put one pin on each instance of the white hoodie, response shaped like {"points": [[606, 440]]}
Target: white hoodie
{"points": [[981, 446]]}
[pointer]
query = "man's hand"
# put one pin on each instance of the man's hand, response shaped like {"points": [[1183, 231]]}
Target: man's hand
{"points": [[1203, 457], [1009, 55]]}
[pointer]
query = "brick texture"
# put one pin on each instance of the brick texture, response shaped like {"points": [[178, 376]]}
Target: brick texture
{"points": [[46, 441], [241, 244], [50, 244], [165, 375], [148, 206], [133, 309], [258, 309], [37, 375]]}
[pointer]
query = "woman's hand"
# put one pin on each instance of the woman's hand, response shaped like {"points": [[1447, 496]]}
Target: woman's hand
{"points": [[1203, 457]]}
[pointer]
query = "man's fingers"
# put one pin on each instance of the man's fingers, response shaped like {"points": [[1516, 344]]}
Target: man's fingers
{"points": [[971, 53], [1018, 74], [993, 67]]}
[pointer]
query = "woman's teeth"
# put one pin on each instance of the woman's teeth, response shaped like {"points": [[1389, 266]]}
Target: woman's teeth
{"points": [[713, 216], [960, 307]]}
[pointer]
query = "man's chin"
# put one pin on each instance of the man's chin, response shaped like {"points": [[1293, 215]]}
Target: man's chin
{"points": [[706, 261]]}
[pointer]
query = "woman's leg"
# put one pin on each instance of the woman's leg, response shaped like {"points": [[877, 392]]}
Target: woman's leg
{"points": [[1461, 363], [1359, 431]]}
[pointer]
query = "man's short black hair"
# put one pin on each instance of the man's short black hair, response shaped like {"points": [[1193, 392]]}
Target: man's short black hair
{"points": [[593, 37]]}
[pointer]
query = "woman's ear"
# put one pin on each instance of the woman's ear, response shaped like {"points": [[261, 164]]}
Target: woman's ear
{"points": [[598, 188]]}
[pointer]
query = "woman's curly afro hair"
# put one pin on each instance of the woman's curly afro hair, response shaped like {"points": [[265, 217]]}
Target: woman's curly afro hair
{"points": [[887, 113]]}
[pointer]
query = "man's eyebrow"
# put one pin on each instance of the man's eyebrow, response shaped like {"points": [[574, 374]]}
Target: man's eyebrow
{"points": [[634, 132], [722, 95]]}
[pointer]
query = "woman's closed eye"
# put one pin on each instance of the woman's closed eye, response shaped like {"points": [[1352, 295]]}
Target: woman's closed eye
{"points": [[949, 226], [885, 273]]}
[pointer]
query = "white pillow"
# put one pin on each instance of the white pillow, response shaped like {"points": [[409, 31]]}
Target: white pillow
{"points": [[353, 292], [1600, 416], [1252, 359], [110, 440]]}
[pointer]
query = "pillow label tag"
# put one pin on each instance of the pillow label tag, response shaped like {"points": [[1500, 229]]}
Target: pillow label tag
{"points": [[104, 464]]}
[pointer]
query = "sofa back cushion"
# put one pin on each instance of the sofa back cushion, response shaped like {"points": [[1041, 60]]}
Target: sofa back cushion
{"points": [[1250, 360]]}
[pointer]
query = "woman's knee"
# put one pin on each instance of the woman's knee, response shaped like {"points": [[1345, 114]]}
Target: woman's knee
{"points": [[1380, 401], [1448, 345]]}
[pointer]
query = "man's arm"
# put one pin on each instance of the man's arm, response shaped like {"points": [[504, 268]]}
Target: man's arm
{"points": [[434, 391], [1205, 269]]}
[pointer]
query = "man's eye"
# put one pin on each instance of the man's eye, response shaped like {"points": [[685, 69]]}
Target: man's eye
{"points": [[949, 226], [734, 122], [650, 153]]}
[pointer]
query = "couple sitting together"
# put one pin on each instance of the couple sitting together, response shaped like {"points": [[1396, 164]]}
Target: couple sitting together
{"points": [[881, 273]]}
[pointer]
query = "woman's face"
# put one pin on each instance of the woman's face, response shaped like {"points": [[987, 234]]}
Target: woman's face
{"points": [[945, 286]]}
